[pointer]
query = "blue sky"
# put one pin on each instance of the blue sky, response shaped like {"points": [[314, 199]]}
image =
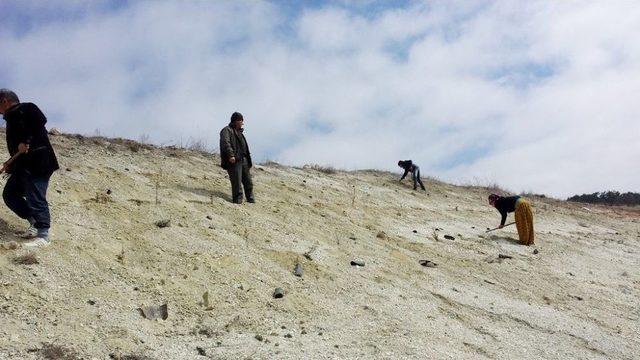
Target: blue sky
{"points": [[517, 93]]}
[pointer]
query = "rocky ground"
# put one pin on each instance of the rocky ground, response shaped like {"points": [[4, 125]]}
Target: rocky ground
{"points": [[575, 294]]}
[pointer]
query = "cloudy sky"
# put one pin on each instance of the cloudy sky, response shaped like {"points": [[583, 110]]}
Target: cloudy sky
{"points": [[538, 96]]}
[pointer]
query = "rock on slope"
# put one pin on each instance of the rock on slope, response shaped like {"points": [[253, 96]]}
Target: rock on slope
{"points": [[576, 298]]}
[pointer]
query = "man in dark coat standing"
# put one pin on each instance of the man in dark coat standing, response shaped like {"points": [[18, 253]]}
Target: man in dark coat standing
{"points": [[30, 167], [236, 158]]}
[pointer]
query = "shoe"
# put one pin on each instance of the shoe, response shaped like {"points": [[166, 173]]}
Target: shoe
{"points": [[30, 233], [253, 201], [237, 201], [37, 242]]}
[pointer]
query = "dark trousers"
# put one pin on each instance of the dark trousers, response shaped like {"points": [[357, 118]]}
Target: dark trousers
{"points": [[26, 195], [416, 178], [239, 174]]}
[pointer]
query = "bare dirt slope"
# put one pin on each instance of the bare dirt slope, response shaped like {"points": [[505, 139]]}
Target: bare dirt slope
{"points": [[577, 298]]}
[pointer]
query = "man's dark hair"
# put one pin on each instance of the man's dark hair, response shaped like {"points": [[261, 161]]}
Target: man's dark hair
{"points": [[6, 94], [236, 116]]}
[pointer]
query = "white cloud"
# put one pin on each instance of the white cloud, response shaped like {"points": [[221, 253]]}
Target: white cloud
{"points": [[454, 86]]}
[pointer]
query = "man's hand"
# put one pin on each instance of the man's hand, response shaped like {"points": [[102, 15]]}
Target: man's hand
{"points": [[4, 168], [232, 159], [23, 148]]}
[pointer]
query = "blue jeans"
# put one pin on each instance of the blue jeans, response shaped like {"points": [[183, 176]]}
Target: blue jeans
{"points": [[26, 196], [416, 178]]}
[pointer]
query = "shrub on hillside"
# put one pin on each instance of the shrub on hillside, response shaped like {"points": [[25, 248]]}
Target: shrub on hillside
{"points": [[608, 198], [322, 169]]}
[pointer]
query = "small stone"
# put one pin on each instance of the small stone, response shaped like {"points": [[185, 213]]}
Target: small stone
{"points": [[163, 223], [352, 237], [288, 336], [108, 191], [427, 263], [298, 270], [201, 351], [625, 274], [91, 302], [357, 263], [155, 312], [535, 251], [415, 231], [209, 217], [449, 237], [259, 338], [278, 293]]}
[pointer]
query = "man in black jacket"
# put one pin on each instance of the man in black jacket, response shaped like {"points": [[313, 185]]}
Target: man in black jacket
{"points": [[30, 167], [236, 158]]}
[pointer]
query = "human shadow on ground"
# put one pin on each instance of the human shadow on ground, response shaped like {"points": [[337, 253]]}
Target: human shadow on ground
{"points": [[205, 192], [505, 240]]}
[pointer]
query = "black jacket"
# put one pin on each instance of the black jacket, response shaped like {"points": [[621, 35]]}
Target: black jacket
{"points": [[407, 165], [506, 205], [233, 143], [26, 124]]}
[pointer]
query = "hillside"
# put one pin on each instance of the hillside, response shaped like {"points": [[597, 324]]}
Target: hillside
{"points": [[577, 297]]}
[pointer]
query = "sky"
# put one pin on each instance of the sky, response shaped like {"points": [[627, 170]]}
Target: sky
{"points": [[536, 96]]}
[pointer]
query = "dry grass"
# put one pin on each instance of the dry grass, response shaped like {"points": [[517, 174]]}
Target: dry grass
{"points": [[487, 185], [26, 259], [323, 169], [102, 198], [272, 163], [198, 145], [58, 352], [129, 357]]}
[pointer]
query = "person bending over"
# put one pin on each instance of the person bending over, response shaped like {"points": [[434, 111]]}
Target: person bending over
{"points": [[523, 215], [410, 167]]}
